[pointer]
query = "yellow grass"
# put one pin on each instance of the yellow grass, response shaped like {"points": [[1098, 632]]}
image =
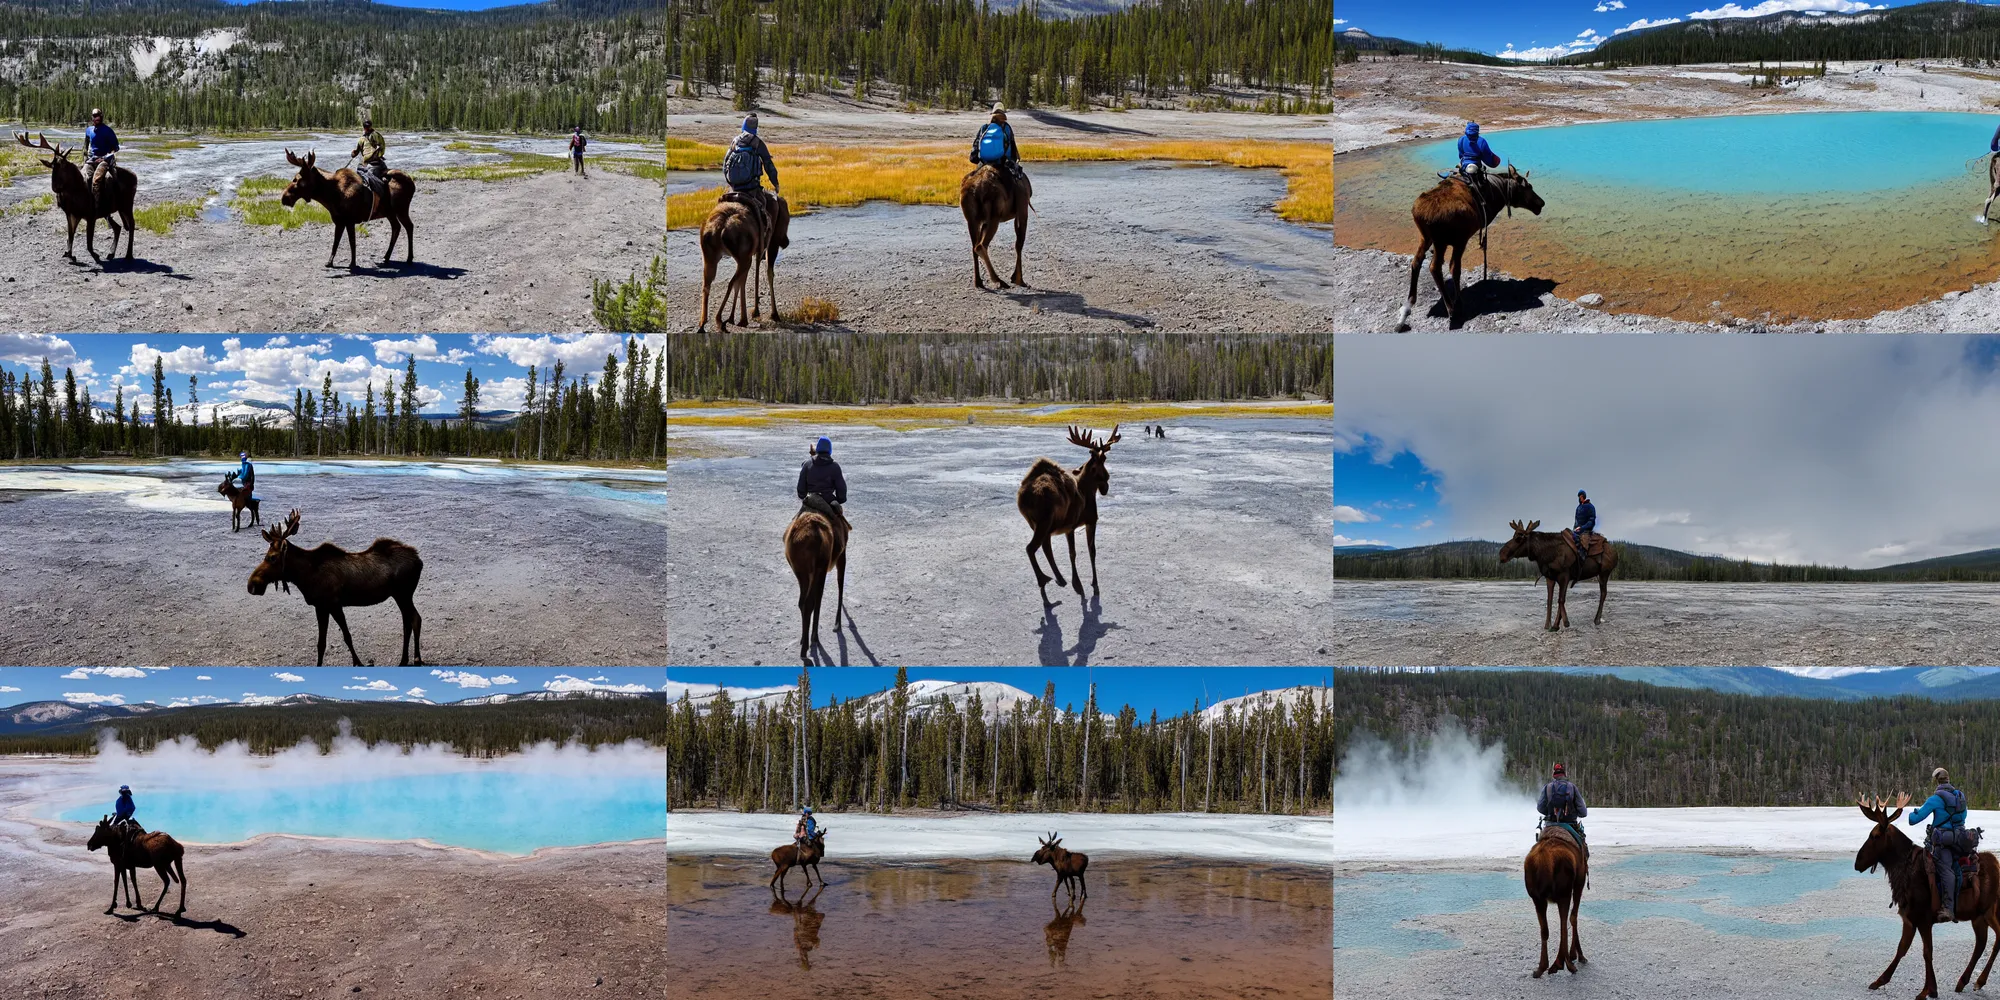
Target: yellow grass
{"points": [[17, 160], [1097, 415], [813, 309], [928, 173]]}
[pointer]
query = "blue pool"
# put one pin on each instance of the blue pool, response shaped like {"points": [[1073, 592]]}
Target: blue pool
{"points": [[488, 809]]}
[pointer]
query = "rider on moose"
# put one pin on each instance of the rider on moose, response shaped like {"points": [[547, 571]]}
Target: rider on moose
{"points": [[374, 166], [1562, 802], [804, 829], [100, 146], [1586, 521], [1474, 155], [821, 486], [1946, 807], [745, 165], [122, 812], [246, 474], [995, 144]]}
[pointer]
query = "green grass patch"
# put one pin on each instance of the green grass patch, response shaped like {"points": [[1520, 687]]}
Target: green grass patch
{"points": [[158, 219], [652, 170], [256, 203], [637, 304], [39, 203], [17, 160], [516, 164]]}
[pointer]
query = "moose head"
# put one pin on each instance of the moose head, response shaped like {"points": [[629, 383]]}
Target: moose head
{"points": [[1885, 836], [272, 569], [61, 170], [1094, 476], [1520, 194], [1518, 545], [302, 186], [1050, 850]]}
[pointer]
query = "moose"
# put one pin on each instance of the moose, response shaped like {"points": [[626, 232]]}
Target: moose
{"points": [[1068, 864], [331, 578], [1560, 565], [814, 543], [1056, 501], [807, 861], [350, 202], [736, 227], [1913, 892], [1555, 872], [131, 848], [987, 198], [1449, 215], [239, 499], [111, 202]]}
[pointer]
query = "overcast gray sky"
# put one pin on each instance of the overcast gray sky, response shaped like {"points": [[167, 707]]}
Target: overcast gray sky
{"points": [[1849, 449]]}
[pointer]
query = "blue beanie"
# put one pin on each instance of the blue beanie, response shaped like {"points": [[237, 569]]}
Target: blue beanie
{"points": [[824, 447], [750, 124], [1471, 128]]}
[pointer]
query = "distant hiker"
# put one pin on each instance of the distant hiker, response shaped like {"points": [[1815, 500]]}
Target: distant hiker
{"points": [[1474, 155], [123, 811], [744, 167], [1946, 809], [1562, 802], [804, 830], [577, 142], [994, 145], [821, 486], [1586, 522], [374, 171], [246, 473], [100, 146]]}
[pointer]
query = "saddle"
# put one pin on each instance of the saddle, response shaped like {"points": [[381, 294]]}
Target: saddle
{"points": [[821, 505], [1594, 544], [759, 205], [1968, 875], [1563, 832]]}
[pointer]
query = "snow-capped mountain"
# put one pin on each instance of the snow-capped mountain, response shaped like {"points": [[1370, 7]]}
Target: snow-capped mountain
{"points": [[1320, 696], [45, 714]]}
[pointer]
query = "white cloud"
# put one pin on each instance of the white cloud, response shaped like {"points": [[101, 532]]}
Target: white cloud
{"points": [[416, 692], [1784, 6], [423, 348], [1643, 23], [1548, 52], [203, 677], [1609, 5], [1338, 21], [252, 698], [1343, 514], [31, 348], [565, 682], [90, 698], [4, 689], [200, 699], [468, 679], [579, 353], [1341, 540], [289, 678], [85, 673], [375, 685], [1590, 33]]}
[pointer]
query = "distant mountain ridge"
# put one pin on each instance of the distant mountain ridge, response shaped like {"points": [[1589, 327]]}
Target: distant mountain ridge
{"points": [[1935, 683], [1927, 31], [1480, 559]]}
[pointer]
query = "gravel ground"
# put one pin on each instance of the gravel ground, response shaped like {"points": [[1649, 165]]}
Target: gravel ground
{"points": [[1412, 623], [1744, 925], [284, 917], [989, 930], [1114, 247], [1214, 547], [490, 256], [826, 118], [517, 570]]}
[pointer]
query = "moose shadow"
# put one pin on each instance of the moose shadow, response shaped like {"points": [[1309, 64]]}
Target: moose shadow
{"points": [[806, 921], [1496, 295], [401, 269], [1092, 629], [137, 265], [840, 639], [1054, 120], [1056, 932], [1074, 304], [218, 926]]}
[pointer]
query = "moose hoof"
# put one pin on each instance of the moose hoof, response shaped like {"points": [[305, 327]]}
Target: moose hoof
{"points": [[1538, 973]]}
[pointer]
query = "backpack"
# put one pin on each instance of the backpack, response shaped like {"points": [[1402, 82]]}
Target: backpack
{"points": [[992, 143], [740, 166], [1562, 800]]}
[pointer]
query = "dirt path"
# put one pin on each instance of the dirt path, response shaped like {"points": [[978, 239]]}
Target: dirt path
{"points": [[283, 917], [989, 930], [490, 256], [1213, 547], [517, 571], [1462, 623], [1115, 247]]}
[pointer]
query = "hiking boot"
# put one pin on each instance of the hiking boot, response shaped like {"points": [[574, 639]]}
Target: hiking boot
{"points": [[1945, 916]]}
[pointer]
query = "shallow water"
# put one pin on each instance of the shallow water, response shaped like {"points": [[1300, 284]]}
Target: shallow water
{"points": [[495, 810], [1716, 217], [990, 929], [189, 486]]}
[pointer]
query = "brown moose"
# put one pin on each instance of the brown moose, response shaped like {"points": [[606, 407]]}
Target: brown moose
{"points": [[331, 578], [986, 198], [1913, 892], [813, 545], [1555, 872], [1452, 213], [1560, 566], [111, 202], [1056, 501], [789, 857], [239, 500], [131, 846], [349, 201], [1068, 864]]}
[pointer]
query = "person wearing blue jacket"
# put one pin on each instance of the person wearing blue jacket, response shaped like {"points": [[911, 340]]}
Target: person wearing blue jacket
{"points": [[803, 831], [1474, 155], [246, 473], [1010, 154], [1562, 802], [100, 149], [1586, 521], [1946, 811], [122, 812]]}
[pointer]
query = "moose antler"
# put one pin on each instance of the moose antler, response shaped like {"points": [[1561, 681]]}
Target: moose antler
{"points": [[1113, 439], [1532, 525], [1516, 525], [291, 524], [1080, 437], [293, 158]]}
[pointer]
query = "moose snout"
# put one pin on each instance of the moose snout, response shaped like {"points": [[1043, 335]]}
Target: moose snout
{"points": [[287, 198], [256, 587]]}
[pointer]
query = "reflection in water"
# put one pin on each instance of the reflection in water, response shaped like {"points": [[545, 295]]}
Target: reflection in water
{"points": [[1056, 932], [806, 920]]}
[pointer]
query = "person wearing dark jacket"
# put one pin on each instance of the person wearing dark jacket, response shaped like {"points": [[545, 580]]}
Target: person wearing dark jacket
{"points": [[821, 486], [125, 807], [1562, 802], [1586, 521]]}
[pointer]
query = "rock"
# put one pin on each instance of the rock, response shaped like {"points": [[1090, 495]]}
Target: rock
{"points": [[1948, 296], [1590, 299]]}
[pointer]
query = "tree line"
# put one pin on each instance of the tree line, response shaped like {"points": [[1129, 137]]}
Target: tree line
{"points": [[622, 417], [1479, 560], [954, 54], [968, 755], [1967, 33], [1640, 745], [539, 67], [904, 368], [472, 730]]}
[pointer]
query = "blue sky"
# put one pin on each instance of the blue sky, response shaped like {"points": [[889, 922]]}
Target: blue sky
{"points": [[1545, 29], [1383, 496], [1169, 690], [434, 4], [246, 368], [176, 686]]}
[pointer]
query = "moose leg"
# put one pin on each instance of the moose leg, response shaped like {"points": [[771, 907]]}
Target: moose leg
{"points": [[70, 249], [1978, 948], [1049, 551], [1085, 885], [395, 231], [1542, 914], [1603, 589], [1990, 956], [1041, 578], [987, 231], [1416, 272], [818, 598], [1562, 937], [180, 875], [1562, 605], [117, 882], [166, 882], [1575, 927], [320, 660], [1909, 932], [413, 624], [1090, 538], [1074, 576], [972, 230], [840, 596], [340, 618], [1020, 239], [1437, 278], [771, 282], [352, 243], [90, 238], [1930, 971], [1548, 607]]}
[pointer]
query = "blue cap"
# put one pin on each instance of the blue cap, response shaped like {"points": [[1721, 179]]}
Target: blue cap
{"points": [[1471, 128], [807, 810], [824, 447], [1581, 493], [124, 788]]}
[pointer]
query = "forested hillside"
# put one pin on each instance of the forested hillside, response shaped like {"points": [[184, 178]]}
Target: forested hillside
{"points": [[1929, 31], [1480, 560], [834, 368], [473, 730], [1037, 756], [957, 54], [1632, 744], [620, 416], [204, 64]]}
